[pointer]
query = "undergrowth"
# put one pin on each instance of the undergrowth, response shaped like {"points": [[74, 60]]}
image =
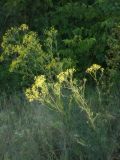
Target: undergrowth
{"points": [[64, 120]]}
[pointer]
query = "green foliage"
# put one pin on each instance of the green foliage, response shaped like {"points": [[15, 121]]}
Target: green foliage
{"points": [[82, 27], [112, 78], [78, 122], [113, 56], [16, 12], [55, 62], [78, 49], [23, 57], [93, 19]]}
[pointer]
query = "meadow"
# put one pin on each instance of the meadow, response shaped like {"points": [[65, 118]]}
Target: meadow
{"points": [[60, 80], [70, 122]]}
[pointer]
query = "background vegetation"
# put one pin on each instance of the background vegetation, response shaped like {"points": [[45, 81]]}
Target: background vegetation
{"points": [[49, 51]]}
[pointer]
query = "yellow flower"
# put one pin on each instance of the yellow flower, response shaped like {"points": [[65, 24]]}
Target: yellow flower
{"points": [[29, 94], [38, 90], [64, 75], [61, 77], [93, 68], [23, 27], [40, 80]]}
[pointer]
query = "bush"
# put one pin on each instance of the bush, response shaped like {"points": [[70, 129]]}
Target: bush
{"points": [[22, 55]]}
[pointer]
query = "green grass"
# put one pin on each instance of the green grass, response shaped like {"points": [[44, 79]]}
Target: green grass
{"points": [[31, 131]]}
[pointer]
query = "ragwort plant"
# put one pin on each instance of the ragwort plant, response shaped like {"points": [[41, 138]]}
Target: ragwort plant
{"points": [[53, 94], [60, 96], [87, 132]]}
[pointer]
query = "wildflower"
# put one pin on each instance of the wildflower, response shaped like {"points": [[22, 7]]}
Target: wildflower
{"points": [[40, 80], [61, 77], [93, 72], [38, 90], [64, 75], [23, 27], [93, 68], [29, 94]]}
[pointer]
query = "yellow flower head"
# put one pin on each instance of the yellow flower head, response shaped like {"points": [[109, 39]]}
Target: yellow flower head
{"points": [[24, 27], [61, 77], [64, 75], [31, 94], [40, 80], [38, 90], [93, 68]]}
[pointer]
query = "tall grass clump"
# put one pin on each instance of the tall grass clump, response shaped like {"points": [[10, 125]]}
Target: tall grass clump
{"points": [[27, 131]]}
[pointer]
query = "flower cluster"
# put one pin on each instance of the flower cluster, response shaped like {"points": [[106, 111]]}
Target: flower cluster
{"points": [[40, 80], [93, 68], [38, 90], [64, 75], [23, 27]]}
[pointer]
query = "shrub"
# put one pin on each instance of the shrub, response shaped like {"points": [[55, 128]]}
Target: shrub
{"points": [[23, 57], [22, 54]]}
